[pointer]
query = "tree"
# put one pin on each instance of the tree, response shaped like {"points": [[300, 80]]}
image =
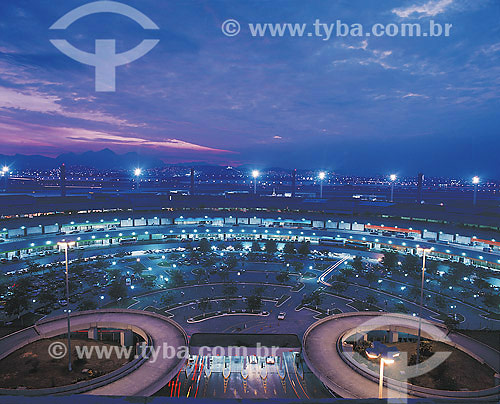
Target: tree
{"points": [[46, 297], [224, 274], [439, 301], [371, 277], [283, 276], [289, 248], [271, 247], [412, 265], [16, 304], [414, 294], [20, 299], [204, 304], [339, 287], [304, 248], [400, 308], [256, 246], [117, 290], [357, 264], [199, 275], [254, 302], [137, 268], [232, 262], [314, 298], [390, 260], [298, 266], [87, 304], [167, 299], [371, 299], [204, 246], [227, 303], [238, 245], [431, 266], [481, 284], [229, 289], [492, 300], [175, 278], [451, 324]]}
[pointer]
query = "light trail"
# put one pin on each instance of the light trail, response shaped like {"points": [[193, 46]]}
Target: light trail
{"points": [[329, 270]]}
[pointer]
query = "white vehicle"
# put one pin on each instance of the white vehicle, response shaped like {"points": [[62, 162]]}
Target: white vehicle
{"points": [[282, 315], [270, 360], [252, 359], [128, 281]]}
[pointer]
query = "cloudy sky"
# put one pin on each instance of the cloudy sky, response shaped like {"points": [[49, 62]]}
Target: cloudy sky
{"points": [[355, 104]]}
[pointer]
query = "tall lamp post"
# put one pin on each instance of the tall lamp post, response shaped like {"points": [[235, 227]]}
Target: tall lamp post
{"points": [[393, 180], [255, 175], [321, 177], [5, 175], [137, 174], [65, 246], [386, 355], [425, 251], [475, 181]]}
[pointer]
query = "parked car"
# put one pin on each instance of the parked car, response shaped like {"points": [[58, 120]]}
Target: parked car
{"points": [[270, 360], [282, 315]]}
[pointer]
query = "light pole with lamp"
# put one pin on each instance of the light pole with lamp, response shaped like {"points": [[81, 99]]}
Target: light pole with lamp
{"points": [[386, 355], [475, 181], [425, 250], [321, 177], [137, 174], [393, 180], [255, 175], [65, 246], [5, 175]]}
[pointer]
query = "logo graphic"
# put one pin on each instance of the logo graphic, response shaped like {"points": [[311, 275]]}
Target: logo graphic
{"points": [[105, 59]]}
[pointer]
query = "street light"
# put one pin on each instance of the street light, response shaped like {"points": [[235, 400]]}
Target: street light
{"points": [[393, 180], [475, 181], [321, 177], [137, 174], [65, 246], [425, 250], [255, 175], [5, 174], [386, 355]]}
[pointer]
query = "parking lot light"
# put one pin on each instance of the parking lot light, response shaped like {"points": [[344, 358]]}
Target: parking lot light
{"points": [[65, 245]]}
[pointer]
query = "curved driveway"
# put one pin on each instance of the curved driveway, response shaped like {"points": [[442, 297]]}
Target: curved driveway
{"points": [[148, 378], [322, 357]]}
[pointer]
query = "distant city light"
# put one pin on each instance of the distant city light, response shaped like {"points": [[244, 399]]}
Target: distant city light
{"points": [[393, 177], [255, 173], [322, 175], [475, 180], [137, 172]]}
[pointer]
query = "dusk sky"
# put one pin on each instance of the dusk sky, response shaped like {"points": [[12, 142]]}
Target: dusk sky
{"points": [[350, 104]]}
